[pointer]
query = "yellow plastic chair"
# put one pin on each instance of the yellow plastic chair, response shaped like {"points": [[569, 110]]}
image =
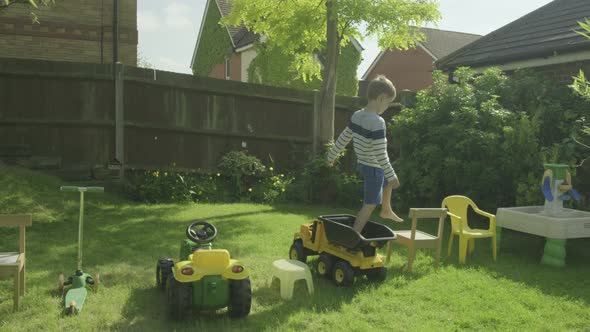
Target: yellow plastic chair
{"points": [[457, 209]]}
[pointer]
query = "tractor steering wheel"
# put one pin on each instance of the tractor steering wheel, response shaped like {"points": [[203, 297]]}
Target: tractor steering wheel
{"points": [[203, 234]]}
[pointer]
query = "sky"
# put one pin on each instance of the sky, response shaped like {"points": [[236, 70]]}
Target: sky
{"points": [[168, 29]]}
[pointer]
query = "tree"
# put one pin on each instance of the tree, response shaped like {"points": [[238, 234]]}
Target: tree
{"points": [[33, 4], [304, 28], [580, 85]]}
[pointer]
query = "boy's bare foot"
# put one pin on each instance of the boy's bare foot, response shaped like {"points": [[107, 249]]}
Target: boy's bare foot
{"points": [[390, 215]]}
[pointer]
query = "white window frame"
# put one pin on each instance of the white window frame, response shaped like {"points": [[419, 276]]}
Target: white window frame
{"points": [[227, 69]]}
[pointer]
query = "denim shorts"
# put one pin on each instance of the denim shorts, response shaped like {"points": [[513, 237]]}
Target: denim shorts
{"points": [[374, 181]]}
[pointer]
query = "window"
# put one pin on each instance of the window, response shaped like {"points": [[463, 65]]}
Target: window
{"points": [[227, 69]]}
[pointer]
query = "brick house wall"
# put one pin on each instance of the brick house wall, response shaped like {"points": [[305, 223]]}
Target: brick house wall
{"points": [[72, 30], [408, 70], [235, 71]]}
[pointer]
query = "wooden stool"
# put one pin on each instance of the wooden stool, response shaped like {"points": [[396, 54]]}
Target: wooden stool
{"points": [[414, 239], [13, 263]]}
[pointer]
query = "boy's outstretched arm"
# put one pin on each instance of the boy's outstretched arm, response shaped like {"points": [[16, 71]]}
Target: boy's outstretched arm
{"points": [[340, 144]]}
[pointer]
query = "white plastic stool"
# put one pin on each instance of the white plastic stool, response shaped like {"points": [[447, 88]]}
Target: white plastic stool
{"points": [[288, 271]]}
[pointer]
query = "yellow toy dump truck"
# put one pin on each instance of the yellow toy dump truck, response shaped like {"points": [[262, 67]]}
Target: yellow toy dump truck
{"points": [[343, 252]]}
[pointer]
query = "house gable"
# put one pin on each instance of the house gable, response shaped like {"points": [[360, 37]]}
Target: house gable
{"points": [[238, 47], [438, 44], [408, 70], [213, 44], [412, 69]]}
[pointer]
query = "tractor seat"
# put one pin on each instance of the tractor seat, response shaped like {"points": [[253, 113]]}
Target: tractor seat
{"points": [[214, 258]]}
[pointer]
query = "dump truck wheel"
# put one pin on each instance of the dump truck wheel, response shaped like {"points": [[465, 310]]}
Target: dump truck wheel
{"points": [[297, 252], [324, 265], [378, 274], [343, 274]]}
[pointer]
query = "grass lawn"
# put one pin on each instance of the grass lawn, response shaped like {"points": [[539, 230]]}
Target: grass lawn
{"points": [[123, 241]]}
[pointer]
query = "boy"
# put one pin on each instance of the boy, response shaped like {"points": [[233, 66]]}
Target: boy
{"points": [[367, 130]]}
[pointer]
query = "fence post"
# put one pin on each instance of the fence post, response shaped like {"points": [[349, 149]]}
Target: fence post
{"points": [[315, 121], [119, 118]]}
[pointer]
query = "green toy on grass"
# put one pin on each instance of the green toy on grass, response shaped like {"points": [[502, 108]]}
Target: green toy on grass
{"points": [[204, 279], [76, 283]]}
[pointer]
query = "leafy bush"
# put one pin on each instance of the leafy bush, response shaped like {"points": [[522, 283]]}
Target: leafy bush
{"points": [[459, 139], [164, 186], [561, 113], [243, 169], [316, 182], [241, 177], [271, 188]]}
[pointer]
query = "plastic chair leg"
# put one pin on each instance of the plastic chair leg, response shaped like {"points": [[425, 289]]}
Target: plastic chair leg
{"points": [[437, 256], [471, 246], [450, 249], [462, 249], [494, 247]]}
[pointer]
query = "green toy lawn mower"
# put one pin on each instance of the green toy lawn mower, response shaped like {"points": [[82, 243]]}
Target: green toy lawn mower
{"points": [[205, 279]]}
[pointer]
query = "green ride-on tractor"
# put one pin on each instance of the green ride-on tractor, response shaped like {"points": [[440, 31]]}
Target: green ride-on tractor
{"points": [[204, 279]]}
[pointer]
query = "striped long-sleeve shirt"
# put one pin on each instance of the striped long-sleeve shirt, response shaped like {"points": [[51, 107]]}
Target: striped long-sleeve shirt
{"points": [[367, 131]]}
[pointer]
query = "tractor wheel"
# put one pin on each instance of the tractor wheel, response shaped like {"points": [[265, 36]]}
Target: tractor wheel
{"points": [[297, 251], [180, 297], [163, 270], [378, 274], [240, 298], [324, 265], [343, 274], [160, 281]]}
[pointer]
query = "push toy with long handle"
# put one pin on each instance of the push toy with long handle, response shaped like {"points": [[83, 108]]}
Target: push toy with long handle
{"points": [[74, 298]]}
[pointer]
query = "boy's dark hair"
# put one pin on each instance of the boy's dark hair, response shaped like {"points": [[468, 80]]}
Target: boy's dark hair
{"points": [[380, 85]]}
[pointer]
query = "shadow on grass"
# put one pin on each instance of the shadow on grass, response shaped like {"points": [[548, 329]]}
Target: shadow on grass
{"points": [[519, 259], [146, 309], [111, 235]]}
